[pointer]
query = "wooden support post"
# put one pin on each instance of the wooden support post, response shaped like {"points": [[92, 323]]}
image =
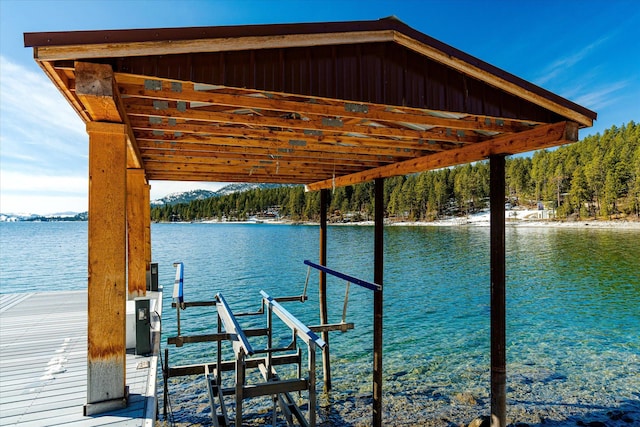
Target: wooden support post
{"points": [[378, 276], [147, 231], [324, 318], [107, 284], [498, 293], [137, 265]]}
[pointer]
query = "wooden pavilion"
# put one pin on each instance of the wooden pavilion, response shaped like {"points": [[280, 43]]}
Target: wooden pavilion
{"points": [[321, 104]]}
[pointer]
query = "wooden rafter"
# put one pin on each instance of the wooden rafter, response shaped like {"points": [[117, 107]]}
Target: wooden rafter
{"points": [[315, 124], [312, 106], [204, 151], [145, 130]]}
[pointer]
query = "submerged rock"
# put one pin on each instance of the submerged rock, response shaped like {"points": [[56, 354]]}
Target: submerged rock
{"points": [[465, 398], [482, 421]]}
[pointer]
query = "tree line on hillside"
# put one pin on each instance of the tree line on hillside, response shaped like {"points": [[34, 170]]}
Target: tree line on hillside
{"points": [[598, 177]]}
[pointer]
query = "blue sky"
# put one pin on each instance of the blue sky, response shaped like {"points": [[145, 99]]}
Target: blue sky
{"points": [[585, 50]]}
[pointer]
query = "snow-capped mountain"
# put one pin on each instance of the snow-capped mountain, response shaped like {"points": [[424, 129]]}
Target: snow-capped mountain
{"points": [[187, 196], [183, 197], [62, 216]]}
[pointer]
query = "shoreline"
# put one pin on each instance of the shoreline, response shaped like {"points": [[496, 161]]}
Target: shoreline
{"points": [[478, 220]]}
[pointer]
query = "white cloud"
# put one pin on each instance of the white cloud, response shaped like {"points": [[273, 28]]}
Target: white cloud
{"points": [[39, 131], [40, 204], [598, 98], [43, 145], [42, 194], [17, 182], [32, 96], [562, 65]]}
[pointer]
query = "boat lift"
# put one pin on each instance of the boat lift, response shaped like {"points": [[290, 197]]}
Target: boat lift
{"points": [[266, 359]]}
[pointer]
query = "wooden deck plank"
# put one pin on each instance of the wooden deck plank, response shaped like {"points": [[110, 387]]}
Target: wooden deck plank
{"points": [[41, 331]]}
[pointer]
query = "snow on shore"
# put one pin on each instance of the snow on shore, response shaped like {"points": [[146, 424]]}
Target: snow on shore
{"points": [[525, 218], [515, 218]]}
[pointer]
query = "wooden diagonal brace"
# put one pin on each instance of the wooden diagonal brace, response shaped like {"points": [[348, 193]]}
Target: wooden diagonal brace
{"points": [[543, 136]]}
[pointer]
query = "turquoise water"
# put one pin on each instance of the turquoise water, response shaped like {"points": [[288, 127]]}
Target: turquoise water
{"points": [[573, 306]]}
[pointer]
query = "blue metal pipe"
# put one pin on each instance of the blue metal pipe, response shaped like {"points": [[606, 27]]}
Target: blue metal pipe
{"points": [[350, 279]]}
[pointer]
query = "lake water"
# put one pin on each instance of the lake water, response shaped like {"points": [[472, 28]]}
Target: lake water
{"points": [[573, 311]]}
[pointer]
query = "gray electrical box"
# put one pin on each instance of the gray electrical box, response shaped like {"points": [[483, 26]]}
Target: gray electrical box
{"points": [[152, 280], [143, 326]]}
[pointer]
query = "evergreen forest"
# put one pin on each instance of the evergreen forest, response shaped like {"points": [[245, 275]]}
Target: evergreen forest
{"points": [[597, 177]]}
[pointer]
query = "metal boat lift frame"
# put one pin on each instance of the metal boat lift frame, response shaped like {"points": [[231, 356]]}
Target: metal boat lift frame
{"points": [[228, 329], [272, 384]]}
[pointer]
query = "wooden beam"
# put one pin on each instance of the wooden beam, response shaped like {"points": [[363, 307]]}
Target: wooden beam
{"points": [[257, 177], [185, 128], [147, 230], [206, 158], [63, 85], [115, 50], [543, 136], [107, 292], [95, 87], [335, 154], [136, 233], [324, 125], [274, 167], [245, 137], [335, 108]]}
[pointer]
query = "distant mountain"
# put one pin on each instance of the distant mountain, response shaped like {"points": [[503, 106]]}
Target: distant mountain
{"points": [[170, 199], [63, 216], [183, 197], [242, 187], [187, 196]]}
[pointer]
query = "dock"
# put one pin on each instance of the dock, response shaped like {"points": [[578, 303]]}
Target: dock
{"points": [[43, 364]]}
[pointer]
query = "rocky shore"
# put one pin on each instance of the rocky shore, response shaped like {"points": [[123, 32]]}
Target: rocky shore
{"points": [[423, 405]]}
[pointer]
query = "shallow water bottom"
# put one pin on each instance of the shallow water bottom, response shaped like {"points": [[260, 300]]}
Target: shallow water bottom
{"points": [[533, 399]]}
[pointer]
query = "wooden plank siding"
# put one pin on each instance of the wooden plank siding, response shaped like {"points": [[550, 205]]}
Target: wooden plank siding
{"points": [[43, 365]]}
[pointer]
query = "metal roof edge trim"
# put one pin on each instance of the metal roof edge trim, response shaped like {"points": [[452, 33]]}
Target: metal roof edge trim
{"points": [[66, 38]]}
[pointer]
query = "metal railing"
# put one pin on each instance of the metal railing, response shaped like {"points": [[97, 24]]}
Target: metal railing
{"points": [[350, 279]]}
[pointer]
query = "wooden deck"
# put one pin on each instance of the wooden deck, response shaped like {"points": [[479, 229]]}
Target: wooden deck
{"points": [[43, 364]]}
